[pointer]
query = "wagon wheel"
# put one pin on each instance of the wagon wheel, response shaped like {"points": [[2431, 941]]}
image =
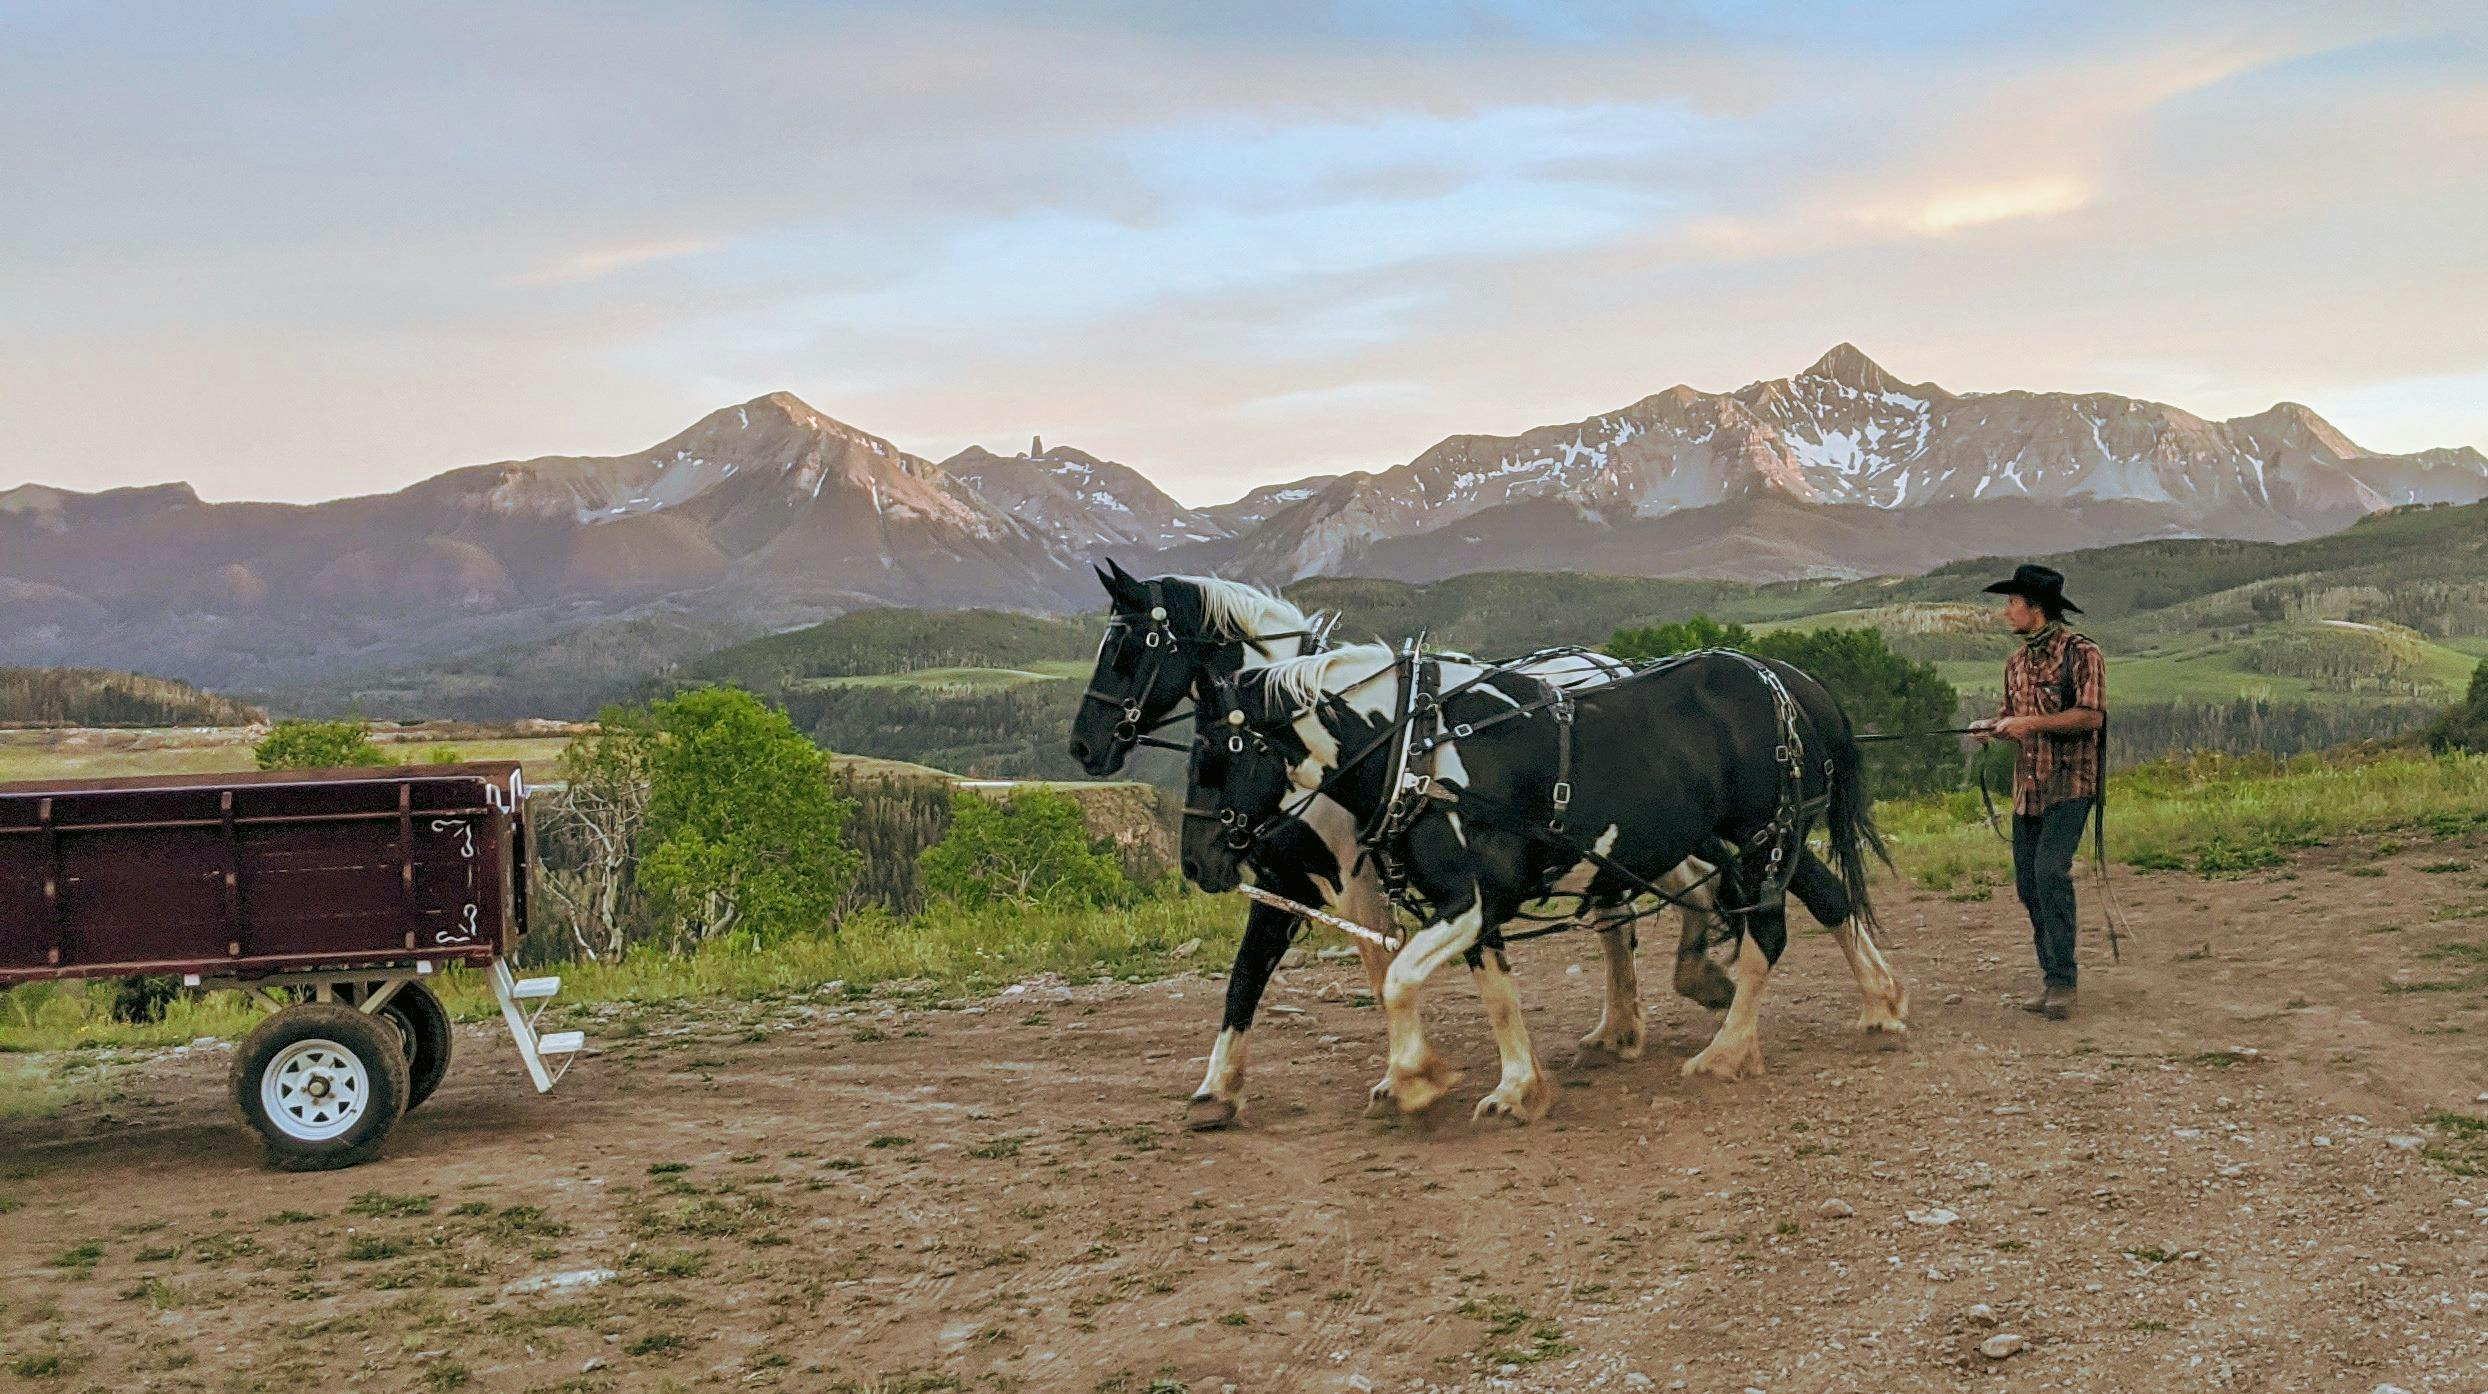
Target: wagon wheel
{"points": [[423, 1024], [321, 1083]]}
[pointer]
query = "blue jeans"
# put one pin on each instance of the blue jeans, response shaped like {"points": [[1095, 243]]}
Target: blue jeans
{"points": [[2043, 848]]}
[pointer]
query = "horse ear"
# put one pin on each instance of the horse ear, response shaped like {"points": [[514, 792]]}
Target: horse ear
{"points": [[1103, 578], [1123, 585]]}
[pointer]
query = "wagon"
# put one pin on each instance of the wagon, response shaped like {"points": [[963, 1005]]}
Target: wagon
{"points": [[330, 896]]}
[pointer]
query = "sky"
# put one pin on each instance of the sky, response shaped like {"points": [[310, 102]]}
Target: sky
{"points": [[303, 250]]}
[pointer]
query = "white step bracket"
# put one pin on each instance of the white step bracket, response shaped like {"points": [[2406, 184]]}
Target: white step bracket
{"points": [[535, 1049]]}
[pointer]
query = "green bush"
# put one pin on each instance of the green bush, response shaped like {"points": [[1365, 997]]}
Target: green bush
{"points": [[1033, 849], [744, 834], [2465, 725], [317, 745]]}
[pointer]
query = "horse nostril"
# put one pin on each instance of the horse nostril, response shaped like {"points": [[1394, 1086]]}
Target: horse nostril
{"points": [[1079, 749], [1192, 868]]}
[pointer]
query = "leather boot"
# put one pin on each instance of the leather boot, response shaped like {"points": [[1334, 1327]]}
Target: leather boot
{"points": [[2054, 1003]]}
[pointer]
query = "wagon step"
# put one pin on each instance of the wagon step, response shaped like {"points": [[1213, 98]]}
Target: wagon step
{"points": [[533, 1047]]}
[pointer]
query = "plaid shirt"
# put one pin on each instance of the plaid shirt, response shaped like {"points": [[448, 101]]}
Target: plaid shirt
{"points": [[2053, 768]]}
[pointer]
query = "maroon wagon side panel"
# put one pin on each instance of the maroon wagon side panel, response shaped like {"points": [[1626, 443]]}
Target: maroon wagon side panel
{"points": [[251, 874]]}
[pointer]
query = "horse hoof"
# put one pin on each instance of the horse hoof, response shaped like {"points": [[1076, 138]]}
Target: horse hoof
{"points": [[1700, 980], [1519, 1108], [1727, 1067], [1207, 1113], [1624, 1047]]}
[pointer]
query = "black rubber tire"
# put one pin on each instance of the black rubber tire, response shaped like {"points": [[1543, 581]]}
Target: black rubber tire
{"points": [[374, 1044], [425, 1023]]}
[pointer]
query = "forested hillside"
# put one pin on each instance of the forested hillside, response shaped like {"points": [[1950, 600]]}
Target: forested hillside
{"points": [[108, 697]]}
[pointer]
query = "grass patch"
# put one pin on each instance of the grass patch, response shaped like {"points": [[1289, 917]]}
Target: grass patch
{"points": [[380, 1205], [2220, 815], [2462, 1147], [40, 1365]]}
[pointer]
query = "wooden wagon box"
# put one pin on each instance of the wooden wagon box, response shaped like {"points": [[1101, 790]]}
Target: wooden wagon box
{"points": [[242, 875]]}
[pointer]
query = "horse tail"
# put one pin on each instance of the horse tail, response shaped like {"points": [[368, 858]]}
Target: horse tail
{"points": [[1852, 823]]}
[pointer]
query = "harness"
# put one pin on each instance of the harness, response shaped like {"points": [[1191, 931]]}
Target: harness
{"points": [[1422, 726]]}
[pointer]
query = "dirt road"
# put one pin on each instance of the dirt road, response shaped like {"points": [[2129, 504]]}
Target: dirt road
{"points": [[2215, 1177]]}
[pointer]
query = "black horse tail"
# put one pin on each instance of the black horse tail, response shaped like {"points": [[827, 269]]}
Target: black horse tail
{"points": [[1852, 824]]}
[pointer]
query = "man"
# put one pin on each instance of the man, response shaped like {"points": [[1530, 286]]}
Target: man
{"points": [[2056, 705]]}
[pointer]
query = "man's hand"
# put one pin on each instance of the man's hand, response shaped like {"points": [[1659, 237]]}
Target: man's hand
{"points": [[2009, 728], [1988, 729]]}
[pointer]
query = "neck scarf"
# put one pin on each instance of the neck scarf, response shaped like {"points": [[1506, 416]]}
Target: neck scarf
{"points": [[2040, 638]]}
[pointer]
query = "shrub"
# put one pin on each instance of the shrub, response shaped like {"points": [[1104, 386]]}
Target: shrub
{"points": [[2464, 726], [317, 745], [1033, 849], [745, 835]]}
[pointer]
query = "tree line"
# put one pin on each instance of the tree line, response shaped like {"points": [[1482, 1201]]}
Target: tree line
{"points": [[109, 697]]}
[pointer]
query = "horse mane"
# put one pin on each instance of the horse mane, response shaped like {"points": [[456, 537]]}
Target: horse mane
{"points": [[1234, 610], [1304, 680]]}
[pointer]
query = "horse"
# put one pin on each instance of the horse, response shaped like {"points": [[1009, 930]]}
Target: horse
{"points": [[1175, 636], [1475, 817]]}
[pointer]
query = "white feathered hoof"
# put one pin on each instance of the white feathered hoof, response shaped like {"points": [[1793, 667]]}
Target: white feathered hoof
{"points": [[1413, 1090], [1726, 1062], [1517, 1105]]}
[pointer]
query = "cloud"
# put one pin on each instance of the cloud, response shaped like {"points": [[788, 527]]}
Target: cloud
{"points": [[336, 248], [1951, 210], [596, 263]]}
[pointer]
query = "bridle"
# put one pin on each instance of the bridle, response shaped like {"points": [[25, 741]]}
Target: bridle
{"points": [[1163, 643]]}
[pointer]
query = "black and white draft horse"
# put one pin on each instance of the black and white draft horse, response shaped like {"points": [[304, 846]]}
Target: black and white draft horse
{"points": [[1175, 637], [1711, 750]]}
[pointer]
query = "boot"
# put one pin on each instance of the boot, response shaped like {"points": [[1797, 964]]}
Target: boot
{"points": [[2054, 1003]]}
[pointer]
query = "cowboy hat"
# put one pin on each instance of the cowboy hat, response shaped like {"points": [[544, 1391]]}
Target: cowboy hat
{"points": [[2041, 585]]}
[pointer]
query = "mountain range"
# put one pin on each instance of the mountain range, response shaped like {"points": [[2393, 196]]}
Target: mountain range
{"points": [[769, 513]]}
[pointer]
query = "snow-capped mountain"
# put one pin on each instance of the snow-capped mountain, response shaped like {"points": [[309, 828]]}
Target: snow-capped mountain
{"points": [[1845, 433], [1082, 502], [769, 513]]}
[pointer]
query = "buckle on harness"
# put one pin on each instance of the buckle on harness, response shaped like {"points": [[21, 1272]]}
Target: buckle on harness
{"points": [[1464, 730], [1562, 795]]}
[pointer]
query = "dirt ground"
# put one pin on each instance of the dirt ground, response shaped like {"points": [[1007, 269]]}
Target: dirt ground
{"points": [[2216, 1176]]}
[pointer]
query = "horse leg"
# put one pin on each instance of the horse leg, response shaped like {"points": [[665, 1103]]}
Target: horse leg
{"points": [[1416, 1076], [1221, 1095], [1523, 1094], [1362, 900], [1886, 1009], [1737, 1050], [1619, 1023], [1818, 888], [1697, 977]]}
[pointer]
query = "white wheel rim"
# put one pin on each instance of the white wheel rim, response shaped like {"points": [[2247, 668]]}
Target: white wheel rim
{"points": [[315, 1090]]}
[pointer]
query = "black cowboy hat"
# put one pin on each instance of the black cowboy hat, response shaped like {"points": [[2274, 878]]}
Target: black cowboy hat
{"points": [[2043, 586]]}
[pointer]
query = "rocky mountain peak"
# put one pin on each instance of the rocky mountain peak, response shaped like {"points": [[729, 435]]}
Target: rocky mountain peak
{"points": [[1845, 364]]}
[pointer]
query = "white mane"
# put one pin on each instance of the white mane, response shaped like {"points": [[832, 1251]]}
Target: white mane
{"points": [[1234, 610], [1304, 680]]}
